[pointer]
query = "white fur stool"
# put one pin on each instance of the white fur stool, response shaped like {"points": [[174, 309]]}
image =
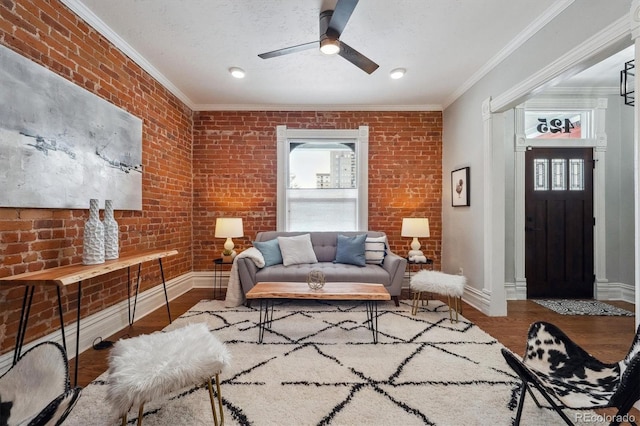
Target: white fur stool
{"points": [[439, 283], [147, 367]]}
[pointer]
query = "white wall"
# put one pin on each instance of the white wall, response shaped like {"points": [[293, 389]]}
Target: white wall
{"points": [[463, 227], [619, 194]]}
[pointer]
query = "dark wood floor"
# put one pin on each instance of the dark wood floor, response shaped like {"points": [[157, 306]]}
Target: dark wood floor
{"points": [[606, 338]]}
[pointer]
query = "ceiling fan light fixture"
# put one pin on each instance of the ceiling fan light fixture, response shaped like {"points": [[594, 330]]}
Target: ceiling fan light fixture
{"points": [[237, 72], [329, 46], [397, 73]]}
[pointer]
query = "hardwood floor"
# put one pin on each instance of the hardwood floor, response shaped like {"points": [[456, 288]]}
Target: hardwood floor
{"points": [[606, 338]]}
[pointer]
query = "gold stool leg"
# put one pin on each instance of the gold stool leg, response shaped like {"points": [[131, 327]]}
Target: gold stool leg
{"points": [[140, 413], [212, 399], [219, 399], [457, 306], [416, 300]]}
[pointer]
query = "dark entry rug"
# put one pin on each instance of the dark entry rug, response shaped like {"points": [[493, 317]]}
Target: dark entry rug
{"points": [[583, 307]]}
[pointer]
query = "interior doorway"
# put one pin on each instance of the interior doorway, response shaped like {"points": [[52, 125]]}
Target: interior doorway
{"points": [[559, 222]]}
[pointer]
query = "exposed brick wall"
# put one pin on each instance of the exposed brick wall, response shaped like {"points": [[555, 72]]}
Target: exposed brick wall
{"points": [[46, 32], [235, 165]]}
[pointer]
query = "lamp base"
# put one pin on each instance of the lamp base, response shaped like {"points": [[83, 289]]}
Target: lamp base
{"points": [[415, 253]]}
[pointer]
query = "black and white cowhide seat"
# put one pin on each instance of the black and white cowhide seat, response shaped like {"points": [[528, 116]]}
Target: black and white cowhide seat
{"points": [[36, 391], [568, 377]]}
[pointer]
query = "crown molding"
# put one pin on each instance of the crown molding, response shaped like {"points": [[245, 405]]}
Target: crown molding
{"points": [[614, 33], [295, 107], [101, 27], [582, 91], [513, 45]]}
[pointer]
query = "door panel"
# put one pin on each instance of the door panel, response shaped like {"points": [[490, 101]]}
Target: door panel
{"points": [[559, 222]]}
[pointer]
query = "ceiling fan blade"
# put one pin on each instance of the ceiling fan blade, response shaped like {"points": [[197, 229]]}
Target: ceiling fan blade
{"points": [[357, 58], [291, 49], [341, 15]]}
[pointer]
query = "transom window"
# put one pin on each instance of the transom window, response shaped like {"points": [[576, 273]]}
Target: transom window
{"points": [[546, 124]]}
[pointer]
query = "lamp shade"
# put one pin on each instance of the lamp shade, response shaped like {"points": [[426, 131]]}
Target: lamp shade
{"points": [[229, 227], [415, 227]]}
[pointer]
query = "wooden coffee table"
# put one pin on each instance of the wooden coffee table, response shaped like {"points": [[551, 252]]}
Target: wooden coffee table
{"points": [[268, 292]]}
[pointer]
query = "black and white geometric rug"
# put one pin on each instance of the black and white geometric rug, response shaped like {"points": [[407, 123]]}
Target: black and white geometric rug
{"points": [[582, 307], [319, 366]]}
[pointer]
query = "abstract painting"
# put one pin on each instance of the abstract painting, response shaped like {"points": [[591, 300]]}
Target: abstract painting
{"points": [[60, 145]]}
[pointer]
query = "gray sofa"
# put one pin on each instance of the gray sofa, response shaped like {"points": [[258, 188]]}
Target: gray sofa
{"points": [[390, 272]]}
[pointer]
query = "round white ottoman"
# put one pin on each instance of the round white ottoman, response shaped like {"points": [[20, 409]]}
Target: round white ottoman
{"points": [[440, 283]]}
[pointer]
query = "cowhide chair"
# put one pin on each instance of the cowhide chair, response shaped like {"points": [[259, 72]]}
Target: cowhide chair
{"points": [[36, 391], [568, 377]]}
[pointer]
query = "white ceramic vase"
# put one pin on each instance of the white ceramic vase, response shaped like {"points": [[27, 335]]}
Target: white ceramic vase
{"points": [[93, 246], [111, 240]]}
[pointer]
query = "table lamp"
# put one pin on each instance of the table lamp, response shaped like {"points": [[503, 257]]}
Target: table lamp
{"points": [[415, 227], [229, 227]]}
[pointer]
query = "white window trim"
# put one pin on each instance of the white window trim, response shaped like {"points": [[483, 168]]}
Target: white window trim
{"points": [[360, 136]]}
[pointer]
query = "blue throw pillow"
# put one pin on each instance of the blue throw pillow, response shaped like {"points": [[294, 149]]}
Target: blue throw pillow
{"points": [[270, 251], [351, 250]]}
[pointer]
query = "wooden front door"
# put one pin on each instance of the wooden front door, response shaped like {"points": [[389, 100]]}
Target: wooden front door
{"points": [[559, 223]]}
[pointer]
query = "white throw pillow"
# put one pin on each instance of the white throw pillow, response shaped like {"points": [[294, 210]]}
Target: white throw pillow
{"points": [[296, 250], [375, 250]]}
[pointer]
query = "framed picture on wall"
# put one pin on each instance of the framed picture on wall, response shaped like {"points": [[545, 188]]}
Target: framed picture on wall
{"points": [[460, 187]]}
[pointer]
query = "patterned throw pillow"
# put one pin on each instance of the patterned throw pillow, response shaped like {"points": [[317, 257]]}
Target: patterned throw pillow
{"points": [[375, 250]]}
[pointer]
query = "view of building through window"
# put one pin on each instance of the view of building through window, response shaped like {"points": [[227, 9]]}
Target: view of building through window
{"points": [[322, 192]]}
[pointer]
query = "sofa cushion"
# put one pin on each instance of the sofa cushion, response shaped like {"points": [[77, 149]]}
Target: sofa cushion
{"points": [[350, 249], [375, 250], [333, 272], [270, 251], [297, 250]]}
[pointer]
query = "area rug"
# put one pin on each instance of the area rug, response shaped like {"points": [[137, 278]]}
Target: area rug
{"points": [[582, 307], [318, 365]]}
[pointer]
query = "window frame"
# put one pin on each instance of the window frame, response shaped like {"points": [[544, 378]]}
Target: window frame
{"points": [[360, 137]]}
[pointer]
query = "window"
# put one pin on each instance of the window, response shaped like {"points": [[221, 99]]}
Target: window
{"points": [[558, 174], [322, 179], [547, 124]]}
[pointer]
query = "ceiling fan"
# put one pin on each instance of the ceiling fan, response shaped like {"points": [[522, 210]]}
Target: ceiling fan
{"points": [[332, 23]]}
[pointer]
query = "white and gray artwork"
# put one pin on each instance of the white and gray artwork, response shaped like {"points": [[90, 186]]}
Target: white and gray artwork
{"points": [[60, 145]]}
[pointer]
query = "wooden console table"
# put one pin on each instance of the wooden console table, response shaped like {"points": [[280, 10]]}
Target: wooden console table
{"points": [[63, 276]]}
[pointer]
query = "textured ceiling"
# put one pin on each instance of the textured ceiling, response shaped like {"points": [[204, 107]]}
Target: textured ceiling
{"points": [[189, 45]]}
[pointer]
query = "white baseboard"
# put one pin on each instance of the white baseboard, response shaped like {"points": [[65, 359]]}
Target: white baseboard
{"points": [[478, 299], [604, 291], [110, 320]]}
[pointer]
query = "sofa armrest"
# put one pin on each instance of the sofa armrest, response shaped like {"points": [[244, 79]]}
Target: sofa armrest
{"points": [[247, 273], [396, 267]]}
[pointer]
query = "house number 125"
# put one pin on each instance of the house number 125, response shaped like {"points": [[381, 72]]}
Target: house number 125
{"points": [[555, 125]]}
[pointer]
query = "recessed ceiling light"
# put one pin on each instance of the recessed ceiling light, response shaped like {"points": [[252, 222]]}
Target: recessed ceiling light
{"points": [[397, 73], [237, 72]]}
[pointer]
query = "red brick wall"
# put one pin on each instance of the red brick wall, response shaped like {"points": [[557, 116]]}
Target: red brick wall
{"points": [[46, 32], [234, 172]]}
